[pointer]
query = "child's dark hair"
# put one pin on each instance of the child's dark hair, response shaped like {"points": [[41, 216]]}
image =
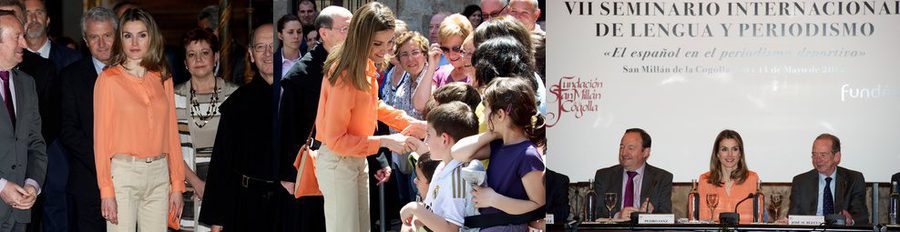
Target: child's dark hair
{"points": [[458, 91], [427, 165], [502, 57], [516, 97], [454, 118]]}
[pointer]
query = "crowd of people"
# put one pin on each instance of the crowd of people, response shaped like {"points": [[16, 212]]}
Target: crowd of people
{"points": [[374, 94], [113, 139]]}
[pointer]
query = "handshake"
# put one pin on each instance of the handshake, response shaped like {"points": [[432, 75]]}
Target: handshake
{"points": [[409, 140], [19, 197]]}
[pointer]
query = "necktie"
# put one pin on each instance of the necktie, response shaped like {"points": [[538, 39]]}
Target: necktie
{"points": [[7, 97], [628, 199], [827, 199]]}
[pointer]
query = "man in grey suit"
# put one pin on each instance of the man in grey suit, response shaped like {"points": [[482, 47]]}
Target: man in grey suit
{"points": [[23, 161], [640, 187], [829, 189]]}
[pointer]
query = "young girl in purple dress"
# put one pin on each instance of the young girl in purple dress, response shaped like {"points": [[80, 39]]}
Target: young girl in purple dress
{"points": [[515, 177]]}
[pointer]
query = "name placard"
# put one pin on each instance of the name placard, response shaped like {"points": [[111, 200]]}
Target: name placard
{"points": [[656, 219], [805, 220], [548, 219]]}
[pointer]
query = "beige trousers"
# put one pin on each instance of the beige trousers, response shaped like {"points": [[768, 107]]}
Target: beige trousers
{"points": [[344, 182], [142, 195]]}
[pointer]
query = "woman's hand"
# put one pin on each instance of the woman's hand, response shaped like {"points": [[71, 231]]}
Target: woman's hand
{"points": [[383, 175], [176, 204], [394, 142], [108, 209], [434, 55], [416, 129]]}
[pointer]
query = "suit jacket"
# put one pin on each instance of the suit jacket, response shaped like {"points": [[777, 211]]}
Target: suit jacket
{"points": [[62, 56], [44, 73], [22, 149], [299, 104], [77, 126], [657, 185], [557, 187], [849, 194]]}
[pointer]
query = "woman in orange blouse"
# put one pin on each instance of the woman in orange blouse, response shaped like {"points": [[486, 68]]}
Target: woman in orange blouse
{"points": [[728, 177], [347, 116], [137, 149]]}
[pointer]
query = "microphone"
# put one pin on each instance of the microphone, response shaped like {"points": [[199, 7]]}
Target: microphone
{"points": [[749, 196], [733, 218]]}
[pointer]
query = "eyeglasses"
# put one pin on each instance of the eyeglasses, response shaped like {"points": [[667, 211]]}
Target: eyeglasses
{"points": [[494, 14], [454, 49], [415, 53], [342, 29], [260, 47]]}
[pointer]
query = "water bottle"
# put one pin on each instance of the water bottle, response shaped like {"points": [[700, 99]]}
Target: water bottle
{"points": [[693, 202], [759, 203], [589, 203]]}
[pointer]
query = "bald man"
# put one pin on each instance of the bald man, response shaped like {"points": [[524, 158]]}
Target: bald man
{"points": [[243, 191]]}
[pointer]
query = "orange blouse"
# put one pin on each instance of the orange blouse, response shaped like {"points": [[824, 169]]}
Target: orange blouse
{"points": [[347, 117], [135, 116], [727, 201]]}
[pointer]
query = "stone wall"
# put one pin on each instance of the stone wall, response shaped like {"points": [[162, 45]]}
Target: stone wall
{"points": [[417, 13]]}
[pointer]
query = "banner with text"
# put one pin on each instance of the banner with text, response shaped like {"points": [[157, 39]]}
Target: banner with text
{"points": [[777, 72]]}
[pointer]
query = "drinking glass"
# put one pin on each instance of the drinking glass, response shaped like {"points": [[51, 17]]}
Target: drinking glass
{"points": [[775, 206], [712, 200], [610, 199]]}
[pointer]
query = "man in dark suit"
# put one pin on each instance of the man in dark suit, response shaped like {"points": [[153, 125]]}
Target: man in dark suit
{"points": [[557, 189], [829, 189], [44, 73], [638, 185], [36, 27], [299, 103], [22, 148], [77, 129], [53, 202]]}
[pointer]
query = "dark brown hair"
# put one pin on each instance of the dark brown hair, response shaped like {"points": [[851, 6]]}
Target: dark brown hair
{"points": [[458, 91], [517, 98], [715, 167], [155, 59], [427, 165], [454, 118], [201, 34]]}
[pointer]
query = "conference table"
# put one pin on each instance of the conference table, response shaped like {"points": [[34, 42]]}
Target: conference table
{"points": [[712, 227]]}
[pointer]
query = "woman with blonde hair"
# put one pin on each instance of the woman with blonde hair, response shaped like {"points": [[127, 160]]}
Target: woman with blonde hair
{"points": [[140, 170], [348, 111], [729, 180]]}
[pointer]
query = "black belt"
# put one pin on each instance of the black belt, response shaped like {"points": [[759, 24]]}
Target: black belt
{"points": [[501, 219], [253, 182]]}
